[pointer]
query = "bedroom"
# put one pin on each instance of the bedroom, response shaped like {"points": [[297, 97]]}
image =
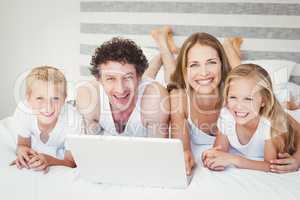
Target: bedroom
{"points": [[63, 34]]}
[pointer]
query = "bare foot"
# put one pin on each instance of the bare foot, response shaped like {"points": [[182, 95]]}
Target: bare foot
{"points": [[170, 40], [160, 38], [236, 43], [164, 38], [291, 105]]}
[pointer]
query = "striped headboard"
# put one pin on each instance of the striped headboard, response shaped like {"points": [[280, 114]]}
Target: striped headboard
{"points": [[271, 29]]}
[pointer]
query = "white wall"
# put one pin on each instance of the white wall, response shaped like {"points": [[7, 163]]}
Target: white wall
{"points": [[32, 33]]}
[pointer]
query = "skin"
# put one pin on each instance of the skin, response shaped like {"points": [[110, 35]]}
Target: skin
{"points": [[46, 100], [244, 102], [203, 76], [120, 82]]}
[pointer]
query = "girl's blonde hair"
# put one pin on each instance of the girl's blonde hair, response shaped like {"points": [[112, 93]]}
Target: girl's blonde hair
{"points": [[46, 73], [272, 110], [205, 39]]}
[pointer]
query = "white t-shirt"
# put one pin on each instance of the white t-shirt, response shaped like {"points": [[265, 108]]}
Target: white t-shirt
{"points": [[69, 122], [255, 147]]}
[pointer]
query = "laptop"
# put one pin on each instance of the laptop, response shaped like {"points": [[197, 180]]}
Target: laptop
{"points": [[150, 162]]}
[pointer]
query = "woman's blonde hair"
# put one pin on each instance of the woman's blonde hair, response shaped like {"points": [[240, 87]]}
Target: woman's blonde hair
{"points": [[205, 39], [271, 110], [46, 73]]}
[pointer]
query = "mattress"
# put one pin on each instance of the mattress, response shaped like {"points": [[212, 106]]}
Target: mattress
{"points": [[65, 183]]}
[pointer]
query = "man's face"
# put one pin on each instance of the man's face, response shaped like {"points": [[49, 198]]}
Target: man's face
{"points": [[120, 82]]}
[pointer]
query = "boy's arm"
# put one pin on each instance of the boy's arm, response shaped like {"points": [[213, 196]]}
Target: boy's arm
{"points": [[24, 141], [23, 152], [68, 160], [42, 162]]}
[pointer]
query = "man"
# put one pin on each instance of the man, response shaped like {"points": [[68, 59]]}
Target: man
{"points": [[120, 101]]}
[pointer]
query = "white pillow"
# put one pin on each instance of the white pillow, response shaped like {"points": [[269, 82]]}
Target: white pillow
{"points": [[279, 70]]}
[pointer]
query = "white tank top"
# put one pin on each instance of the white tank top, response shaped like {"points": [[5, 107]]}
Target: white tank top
{"points": [[198, 137], [134, 126], [255, 147]]}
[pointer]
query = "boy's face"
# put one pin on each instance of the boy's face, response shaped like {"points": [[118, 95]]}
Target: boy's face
{"points": [[46, 100], [120, 82]]}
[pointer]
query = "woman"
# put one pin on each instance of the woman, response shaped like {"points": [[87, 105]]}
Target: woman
{"points": [[195, 83]]}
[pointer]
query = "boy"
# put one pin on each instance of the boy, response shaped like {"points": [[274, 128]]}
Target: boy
{"points": [[44, 120]]}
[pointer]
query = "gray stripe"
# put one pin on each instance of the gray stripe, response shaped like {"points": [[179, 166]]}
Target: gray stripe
{"points": [[256, 55], [86, 49], [193, 7], [250, 32]]}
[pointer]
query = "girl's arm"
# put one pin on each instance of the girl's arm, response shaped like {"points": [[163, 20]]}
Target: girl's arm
{"points": [[245, 163], [211, 158], [222, 142], [215, 159]]}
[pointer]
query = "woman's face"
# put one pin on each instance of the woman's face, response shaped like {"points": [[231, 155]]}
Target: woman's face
{"points": [[203, 69]]}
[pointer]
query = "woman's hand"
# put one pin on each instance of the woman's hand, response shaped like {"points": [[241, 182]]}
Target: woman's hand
{"points": [[286, 163], [189, 161]]}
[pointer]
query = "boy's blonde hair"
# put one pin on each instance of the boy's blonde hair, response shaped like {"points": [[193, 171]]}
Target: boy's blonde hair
{"points": [[46, 73], [272, 109]]}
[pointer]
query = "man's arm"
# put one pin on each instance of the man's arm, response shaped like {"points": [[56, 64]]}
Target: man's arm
{"points": [[155, 108]]}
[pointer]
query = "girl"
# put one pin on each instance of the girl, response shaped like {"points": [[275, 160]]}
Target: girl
{"points": [[253, 123]]}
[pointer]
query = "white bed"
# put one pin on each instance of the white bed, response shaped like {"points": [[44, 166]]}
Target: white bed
{"points": [[63, 183]]}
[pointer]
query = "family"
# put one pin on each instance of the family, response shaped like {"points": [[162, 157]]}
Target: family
{"points": [[210, 99]]}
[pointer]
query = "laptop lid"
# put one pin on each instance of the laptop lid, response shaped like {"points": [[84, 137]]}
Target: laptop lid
{"points": [[152, 162]]}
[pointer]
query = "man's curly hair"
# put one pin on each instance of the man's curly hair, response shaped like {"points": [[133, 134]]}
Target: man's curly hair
{"points": [[124, 51]]}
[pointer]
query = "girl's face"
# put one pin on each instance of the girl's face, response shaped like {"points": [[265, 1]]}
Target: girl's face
{"points": [[203, 69], [244, 100]]}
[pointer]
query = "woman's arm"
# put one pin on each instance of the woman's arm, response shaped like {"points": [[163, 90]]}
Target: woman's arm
{"points": [[179, 126]]}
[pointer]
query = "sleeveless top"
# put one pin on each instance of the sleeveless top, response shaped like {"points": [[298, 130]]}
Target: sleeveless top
{"points": [[198, 137], [255, 147], [134, 126]]}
